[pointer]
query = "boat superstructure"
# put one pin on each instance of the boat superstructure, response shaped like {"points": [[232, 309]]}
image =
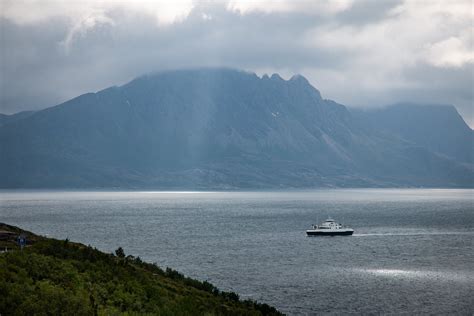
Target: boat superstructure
{"points": [[329, 228]]}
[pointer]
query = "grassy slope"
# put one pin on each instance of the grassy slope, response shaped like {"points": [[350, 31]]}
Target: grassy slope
{"points": [[60, 277]]}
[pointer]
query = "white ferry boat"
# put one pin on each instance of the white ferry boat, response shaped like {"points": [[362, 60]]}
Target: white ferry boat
{"points": [[329, 228]]}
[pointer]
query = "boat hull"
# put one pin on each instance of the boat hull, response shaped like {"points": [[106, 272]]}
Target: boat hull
{"points": [[329, 233]]}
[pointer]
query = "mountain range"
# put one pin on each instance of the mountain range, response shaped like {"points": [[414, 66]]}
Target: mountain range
{"points": [[221, 129]]}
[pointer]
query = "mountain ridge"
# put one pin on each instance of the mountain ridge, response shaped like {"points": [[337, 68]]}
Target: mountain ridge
{"points": [[448, 131], [215, 128]]}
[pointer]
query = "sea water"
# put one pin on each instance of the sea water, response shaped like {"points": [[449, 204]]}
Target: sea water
{"points": [[412, 251]]}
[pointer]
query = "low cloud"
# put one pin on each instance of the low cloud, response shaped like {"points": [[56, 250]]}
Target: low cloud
{"points": [[359, 53]]}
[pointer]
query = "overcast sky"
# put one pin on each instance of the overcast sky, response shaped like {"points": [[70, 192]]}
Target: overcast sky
{"points": [[359, 53]]}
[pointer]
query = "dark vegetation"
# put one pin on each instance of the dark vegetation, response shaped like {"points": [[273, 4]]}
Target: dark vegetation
{"points": [[60, 277]]}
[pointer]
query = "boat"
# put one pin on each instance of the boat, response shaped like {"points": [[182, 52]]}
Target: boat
{"points": [[329, 228]]}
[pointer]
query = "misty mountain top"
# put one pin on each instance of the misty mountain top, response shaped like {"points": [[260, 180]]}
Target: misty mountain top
{"points": [[222, 128]]}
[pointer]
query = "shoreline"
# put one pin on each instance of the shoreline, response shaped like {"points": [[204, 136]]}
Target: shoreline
{"points": [[75, 279]]}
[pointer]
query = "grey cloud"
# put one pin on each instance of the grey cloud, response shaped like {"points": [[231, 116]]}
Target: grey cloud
{"points": [[367, 11], [41, 72], [38, 71], [429, 85], [453, 86]]}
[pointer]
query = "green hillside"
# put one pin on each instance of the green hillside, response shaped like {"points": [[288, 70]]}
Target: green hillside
{"points": [[59, 277]]}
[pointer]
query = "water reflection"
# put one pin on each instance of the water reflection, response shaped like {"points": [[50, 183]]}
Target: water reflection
{"points": [[455, 276]]}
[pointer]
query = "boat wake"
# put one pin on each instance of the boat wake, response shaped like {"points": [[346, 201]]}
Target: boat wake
{"points": [[412, 234]]}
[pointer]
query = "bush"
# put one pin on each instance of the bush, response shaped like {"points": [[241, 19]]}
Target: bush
{"points": [[65, 278], [120, 253]]}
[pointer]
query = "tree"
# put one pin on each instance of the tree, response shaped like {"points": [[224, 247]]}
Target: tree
{"points": [[120, 253]]}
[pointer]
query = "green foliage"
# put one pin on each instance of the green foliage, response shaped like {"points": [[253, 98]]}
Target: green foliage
{"points": [[54, 277], [120, 253]]}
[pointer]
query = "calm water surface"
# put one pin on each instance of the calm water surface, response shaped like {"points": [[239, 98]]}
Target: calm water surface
{"points": [[412, 251]]}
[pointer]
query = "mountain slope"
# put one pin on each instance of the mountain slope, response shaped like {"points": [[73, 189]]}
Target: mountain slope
{"points": [[439, 128], [212, 128], [4, 118], [60, 277]]}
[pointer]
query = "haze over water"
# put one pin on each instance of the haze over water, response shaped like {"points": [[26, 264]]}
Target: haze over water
{"points": [[412, 251]]}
